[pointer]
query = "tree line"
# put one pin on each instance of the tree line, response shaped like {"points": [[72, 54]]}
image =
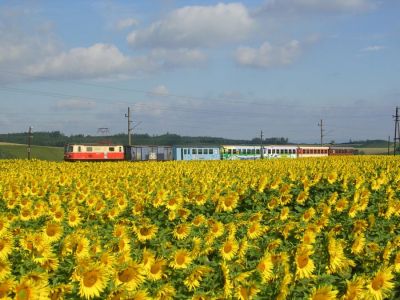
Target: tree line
{"points": [[58, 139]]}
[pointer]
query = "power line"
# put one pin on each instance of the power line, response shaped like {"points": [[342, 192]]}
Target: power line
{"points": [[172, 95]]}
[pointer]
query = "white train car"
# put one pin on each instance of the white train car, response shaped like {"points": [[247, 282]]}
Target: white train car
{"points": [[280, 151]]}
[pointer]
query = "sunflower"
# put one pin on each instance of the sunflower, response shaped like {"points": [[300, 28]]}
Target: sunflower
{"points": [[229, 249], [255, 230], [166, 292], [181, 259], [246, 292], [148, 258], [338, 262], [124, 244], [25, 214], [5, 269], [181, 231], [28, 289], [228, 202], [50, 262], [74, 218], [146, 232], [93, 281], [194, 279], [198, 220], [130, 276], [183, 213], [4, 225], [397, 263], [302, 197], [323, 293], [107, 260], [354, 289], [6, 246], [138, 209], [216, 228], [309, 237], [358, 244], [174, 202], [284, 213], [304, 264], [228, 285], [53, 232], [156, 269], [341, 205], [196, 249], [6, 287], [82, 247], [308, 214], [58, 215], [381, 285], [265, 268]]}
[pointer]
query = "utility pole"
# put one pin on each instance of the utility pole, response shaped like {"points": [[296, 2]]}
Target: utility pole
{"points": [[396, 130], [322, 131], [30, 136], [261, 146], [388, 145], [129, 126]]}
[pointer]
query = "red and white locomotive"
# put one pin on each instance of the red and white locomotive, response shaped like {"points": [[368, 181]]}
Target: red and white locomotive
{"points": [[93, 152]]}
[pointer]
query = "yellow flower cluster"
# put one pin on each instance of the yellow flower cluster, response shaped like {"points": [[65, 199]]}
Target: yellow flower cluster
{"points": [[324, 228]]}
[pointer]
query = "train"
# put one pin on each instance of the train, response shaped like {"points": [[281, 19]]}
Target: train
{"points": [[96, 152]]}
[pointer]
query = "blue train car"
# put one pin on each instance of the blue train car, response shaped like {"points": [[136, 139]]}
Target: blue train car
{"points": [[196, 153], [146, 152]]}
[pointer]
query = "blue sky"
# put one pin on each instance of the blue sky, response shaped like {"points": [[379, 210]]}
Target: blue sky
{"points": [[217, 68]]}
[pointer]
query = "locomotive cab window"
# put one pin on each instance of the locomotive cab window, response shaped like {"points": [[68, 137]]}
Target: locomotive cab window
{"points": [[111, 149]]}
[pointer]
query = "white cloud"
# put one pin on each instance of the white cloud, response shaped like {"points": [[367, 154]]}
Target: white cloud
{"points": [[319, 6], [183, 57], [268, 55], [126, 23], [160, 90], [373, 48], [75, 104], [98, 60], [196, 26]]}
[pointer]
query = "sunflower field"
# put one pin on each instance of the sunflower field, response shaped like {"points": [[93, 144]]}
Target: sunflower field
{"points": [[317, 229]]}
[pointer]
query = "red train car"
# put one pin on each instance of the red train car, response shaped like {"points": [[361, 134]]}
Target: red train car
{"points": [[312, 151], [342, 151], [80, 152]]}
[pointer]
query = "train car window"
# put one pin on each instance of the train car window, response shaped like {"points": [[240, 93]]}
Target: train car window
{"points": [[253, 151], [120, 149], [234, 151], [205, 151], [229, 151], [210, 151], [79, 149], [194, 151], [89, 149], [286, 151], [269, 151], [184, 151], [111, 149], [200, 151], [257, 151]]}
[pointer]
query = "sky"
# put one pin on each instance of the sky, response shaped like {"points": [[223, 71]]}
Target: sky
{"points": [[202, 68]]}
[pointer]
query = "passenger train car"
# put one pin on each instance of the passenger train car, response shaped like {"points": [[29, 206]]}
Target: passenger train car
{"points": [[80, 152]]}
